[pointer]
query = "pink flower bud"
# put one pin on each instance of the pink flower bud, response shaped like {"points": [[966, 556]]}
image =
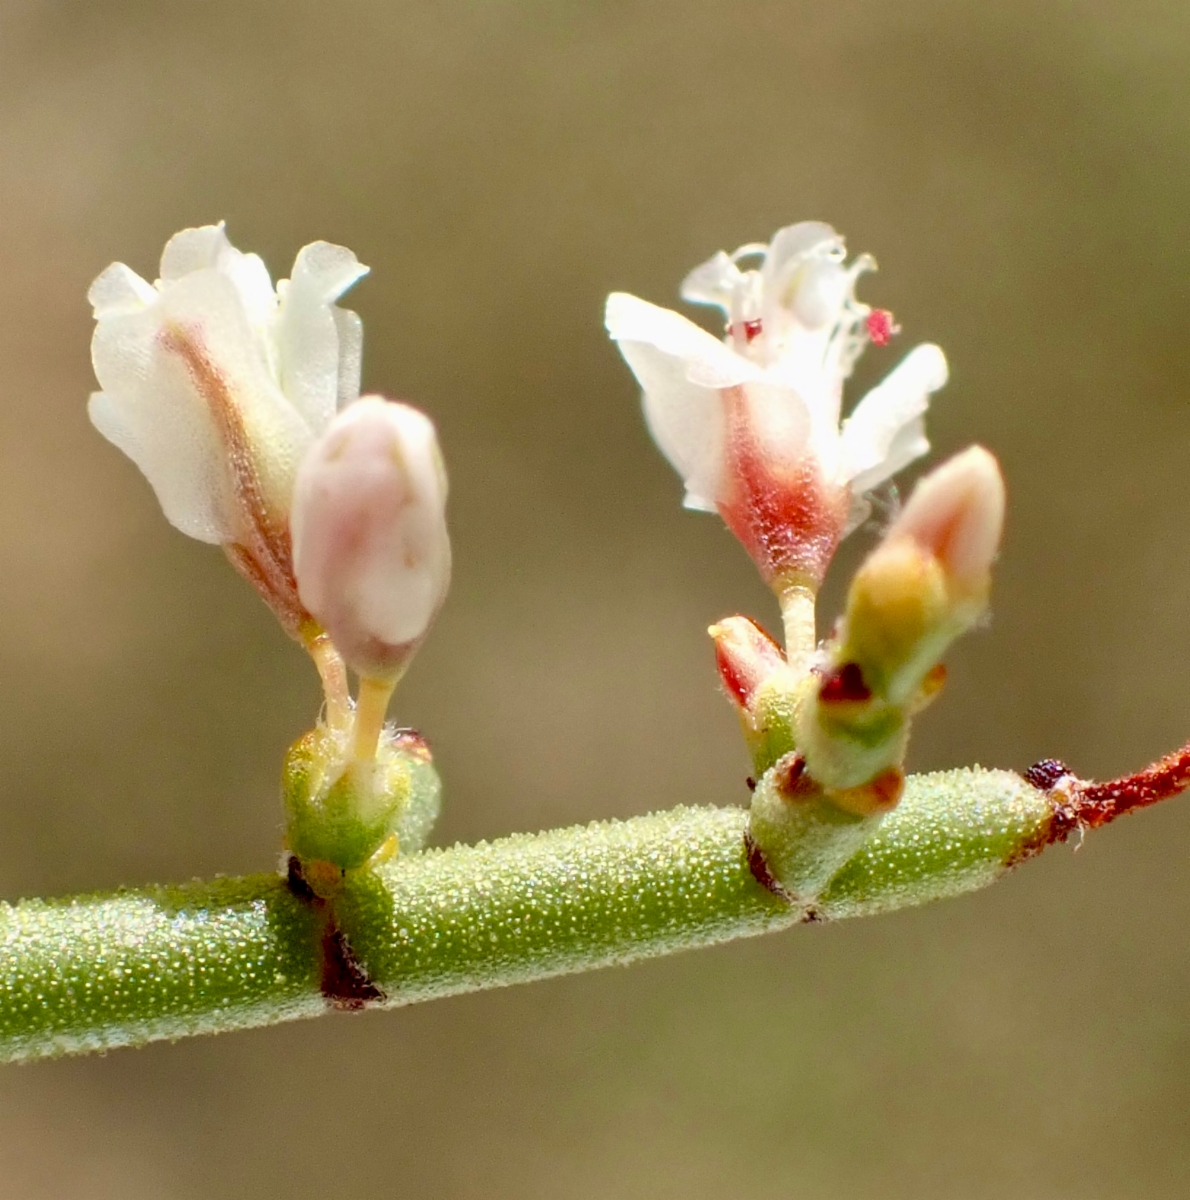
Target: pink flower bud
{"points": [[926, 584], [746, 657], [370, 545], [956, 513]]}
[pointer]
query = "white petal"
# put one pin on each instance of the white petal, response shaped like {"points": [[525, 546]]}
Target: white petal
{"points": [[796, 243], [712, 282], [326, 271], [672, 359], [885, 431], [858, 513], [192, 250], [351, 354], [252, 281], [318, 345], [207, 247], [685, 419], [696, 503], [119, 289], [177, 454], [909, 444], [708, 362], [152, 409], [820, 294], [779, 421]]}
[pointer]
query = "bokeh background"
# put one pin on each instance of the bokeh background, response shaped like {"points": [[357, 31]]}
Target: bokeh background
{"points": [[1020, 170]]}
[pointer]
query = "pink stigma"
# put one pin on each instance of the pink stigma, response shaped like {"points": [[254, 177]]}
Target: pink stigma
{"points": [[880, 326]]}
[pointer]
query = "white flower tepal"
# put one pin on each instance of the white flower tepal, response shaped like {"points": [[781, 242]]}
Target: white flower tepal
{"points": [[371, 549], [752, 422], [216, 384]]}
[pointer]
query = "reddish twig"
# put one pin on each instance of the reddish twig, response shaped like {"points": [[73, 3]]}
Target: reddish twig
{"points": [[1089, 804]]}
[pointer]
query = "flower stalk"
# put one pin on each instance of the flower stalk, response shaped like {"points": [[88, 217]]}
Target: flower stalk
{"points": [[799, 617], [370, 709], [332, 671]]}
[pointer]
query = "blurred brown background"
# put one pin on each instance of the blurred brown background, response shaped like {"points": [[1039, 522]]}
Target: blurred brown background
{"points": [[1022, 172]]}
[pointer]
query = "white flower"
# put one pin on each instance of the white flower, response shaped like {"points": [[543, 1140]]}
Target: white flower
{"points": [[752, 423], [216, 384], [370, 545]]}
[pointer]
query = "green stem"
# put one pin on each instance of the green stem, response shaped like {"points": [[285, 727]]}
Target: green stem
{"points": [[94, 972]]}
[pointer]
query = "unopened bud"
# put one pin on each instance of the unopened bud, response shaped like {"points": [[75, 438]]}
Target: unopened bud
{"points": [[746, 657], [929, 580], [923, 586], [761, 685], [370, 545], [957, 514]]}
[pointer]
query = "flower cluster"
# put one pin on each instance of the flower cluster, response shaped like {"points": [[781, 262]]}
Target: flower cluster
{"points": [[753, 424], [240, 403], [239, 400]]}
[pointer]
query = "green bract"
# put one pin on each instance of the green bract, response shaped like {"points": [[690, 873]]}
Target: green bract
{"points": [[342, 812]]}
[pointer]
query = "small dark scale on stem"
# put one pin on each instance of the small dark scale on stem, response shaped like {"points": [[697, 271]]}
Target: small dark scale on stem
{"points": [[342, 979], [344, 982], [295, 881], [1044, 774], [793, 782], [758, 865]]}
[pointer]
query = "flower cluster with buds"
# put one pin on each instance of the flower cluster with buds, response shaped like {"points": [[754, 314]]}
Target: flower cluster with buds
{"points": [[239, 400], [240, 403], [752, 423]]}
